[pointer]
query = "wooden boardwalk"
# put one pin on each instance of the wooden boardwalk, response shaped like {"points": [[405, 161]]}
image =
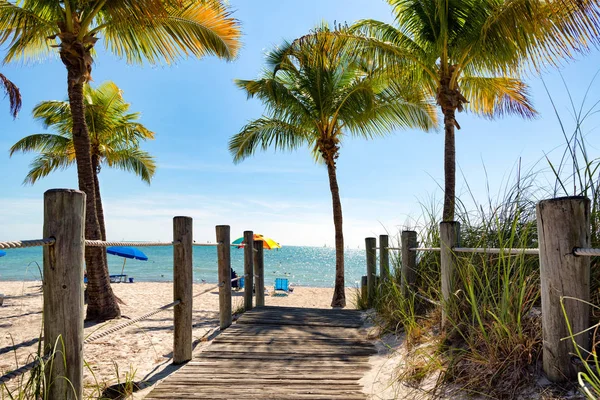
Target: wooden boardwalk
{"points": [[278, 353]]}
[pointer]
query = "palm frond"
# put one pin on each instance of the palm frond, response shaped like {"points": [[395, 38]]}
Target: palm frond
{"points": [[497, 96], [43, 143], [133, 159], [14, 95], [46, 163], [26, 28], [266, 132], [197, 28]]}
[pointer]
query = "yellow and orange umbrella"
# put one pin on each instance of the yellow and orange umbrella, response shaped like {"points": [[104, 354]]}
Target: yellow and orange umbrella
{"points": [[268, 243]]}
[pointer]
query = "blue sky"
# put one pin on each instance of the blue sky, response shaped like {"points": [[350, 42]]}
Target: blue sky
{"points": [[194, 108]]}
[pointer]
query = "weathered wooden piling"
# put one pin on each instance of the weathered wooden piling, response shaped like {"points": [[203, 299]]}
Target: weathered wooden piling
{"points": [[248, 269], [563, 225], [224, 265], [182, 288], [64, 220]]}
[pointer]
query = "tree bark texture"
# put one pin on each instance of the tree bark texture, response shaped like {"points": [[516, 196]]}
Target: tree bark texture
{"points": [[339, 294], [449, 166], [102, 304], [450, 99]]}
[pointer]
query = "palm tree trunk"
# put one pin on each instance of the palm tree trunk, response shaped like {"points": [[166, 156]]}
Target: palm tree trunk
{"points": [[99, 208], [449, 165], [102, 304], [339, 295]]}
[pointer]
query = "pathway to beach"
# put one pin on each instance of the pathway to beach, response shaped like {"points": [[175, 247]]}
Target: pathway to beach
{"points": [[143, 350], [275, 353]]}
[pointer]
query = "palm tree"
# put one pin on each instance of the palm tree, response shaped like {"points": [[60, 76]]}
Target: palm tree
{"points": [[315, 93], [13, 93], [115, 134], [138, 30], [471, 54]]}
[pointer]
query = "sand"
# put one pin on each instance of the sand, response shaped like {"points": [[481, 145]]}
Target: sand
{"points": [[143, 349]]}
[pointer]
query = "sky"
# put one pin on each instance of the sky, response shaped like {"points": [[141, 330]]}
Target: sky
{"points": [[194, 108]]}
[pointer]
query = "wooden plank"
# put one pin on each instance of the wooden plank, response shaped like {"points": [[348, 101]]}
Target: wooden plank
{"points": [[275, 353]]}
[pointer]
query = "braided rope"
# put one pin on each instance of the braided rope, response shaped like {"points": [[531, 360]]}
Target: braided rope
{"points": [[18, 244], [496, 250], [24, 369], [586, 252], [424, 249], [209, 289], [102, 243], [114, 329]]}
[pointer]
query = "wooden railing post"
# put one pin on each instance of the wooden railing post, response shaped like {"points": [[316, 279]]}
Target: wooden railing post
{"points": [[259, 271], [64, 220], [182, 289], [563, 224], [248, 269], [384, 257], [408, 241], [224, 261], [364, 289], [370, 244], [449, 238]]}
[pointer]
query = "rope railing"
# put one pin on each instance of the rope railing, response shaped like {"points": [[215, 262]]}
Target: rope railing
{"points": [[24, 369], [579, 251], [520, 251], [94, 337], [424, 249], [19, 244], [103, 243], [209, 289], [492, 250]]}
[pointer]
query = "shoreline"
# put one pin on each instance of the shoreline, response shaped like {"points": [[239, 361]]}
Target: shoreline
{"points": [[143, 349]]}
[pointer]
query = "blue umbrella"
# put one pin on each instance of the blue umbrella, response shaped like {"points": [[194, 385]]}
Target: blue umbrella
{"points": [[126, 252], [2, 253]]}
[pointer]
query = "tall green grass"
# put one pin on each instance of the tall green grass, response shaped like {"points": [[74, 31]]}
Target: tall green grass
{"points": [[492, 343]]}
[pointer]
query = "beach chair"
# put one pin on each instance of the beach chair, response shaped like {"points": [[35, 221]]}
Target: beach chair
{"points": [[281, 285]]}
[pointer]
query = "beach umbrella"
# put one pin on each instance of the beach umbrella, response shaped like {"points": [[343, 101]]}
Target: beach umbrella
{"points": [[2, 253], [268, 243], [126, 252]]}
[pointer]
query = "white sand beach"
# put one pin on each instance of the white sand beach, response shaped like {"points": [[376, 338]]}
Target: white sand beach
{"points": [[144, 349]]}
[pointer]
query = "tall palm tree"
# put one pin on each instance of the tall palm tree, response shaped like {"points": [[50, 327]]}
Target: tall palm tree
{"points": [[115, 134], [316, 92], [13, 93], [138, 30], [471, 54]]}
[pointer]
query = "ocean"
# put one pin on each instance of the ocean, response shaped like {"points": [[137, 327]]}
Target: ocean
{"points": [[303, 266]]}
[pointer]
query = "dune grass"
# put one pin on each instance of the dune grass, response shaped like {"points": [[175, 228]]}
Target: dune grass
{"points": [[492, 345]]}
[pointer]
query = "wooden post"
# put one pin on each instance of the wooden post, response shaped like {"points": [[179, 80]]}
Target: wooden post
{"points": [[224, 260], [259, 271], [563, 224], [384, 257], [182, 289], [248, 269], [64, 220], [408, 240], [370, 244], [364, 293], [449, 238]]}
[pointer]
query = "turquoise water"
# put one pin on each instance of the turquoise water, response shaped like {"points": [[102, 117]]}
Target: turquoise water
{"points": [[304, 266]]}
